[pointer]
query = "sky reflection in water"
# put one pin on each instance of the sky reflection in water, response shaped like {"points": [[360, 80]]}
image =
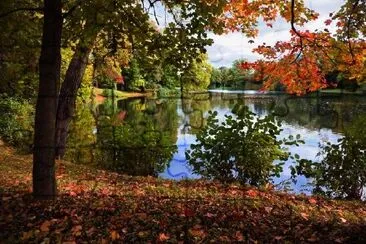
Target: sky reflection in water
{"points": [[178, 168]]}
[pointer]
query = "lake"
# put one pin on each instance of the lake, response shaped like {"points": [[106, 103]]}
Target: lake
{"points": [[147, 136]]}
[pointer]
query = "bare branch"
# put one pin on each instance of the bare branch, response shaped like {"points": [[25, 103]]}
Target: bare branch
{"points": [[354, 6], [295, 30], [152, 5]]}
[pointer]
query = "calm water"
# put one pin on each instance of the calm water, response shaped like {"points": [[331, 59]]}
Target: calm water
{"points": [[150, 136]]}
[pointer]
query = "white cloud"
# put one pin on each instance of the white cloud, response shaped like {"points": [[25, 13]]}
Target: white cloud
{"points": [[229, 47]]}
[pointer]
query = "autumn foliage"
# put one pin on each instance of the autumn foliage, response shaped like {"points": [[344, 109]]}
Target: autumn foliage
{"points": [[302, 63], [104, 207]]}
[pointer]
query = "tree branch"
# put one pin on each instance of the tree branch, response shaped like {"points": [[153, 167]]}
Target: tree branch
{"points": [[354, 6], [2, 15], [295, 30]]}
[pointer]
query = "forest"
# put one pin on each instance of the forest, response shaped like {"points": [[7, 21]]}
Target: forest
{"points": [[117, 126]]}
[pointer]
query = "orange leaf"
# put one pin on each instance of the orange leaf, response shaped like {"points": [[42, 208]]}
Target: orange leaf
{"points": [[239, 236], [312, 201], [252, 193], [76, 230], [45, 227], [163, 237], [114, 235], [305, 216]]}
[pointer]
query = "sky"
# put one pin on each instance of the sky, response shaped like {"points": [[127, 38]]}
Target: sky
{"points": [[227, 48]]}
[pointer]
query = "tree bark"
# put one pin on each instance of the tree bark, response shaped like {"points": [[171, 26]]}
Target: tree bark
{"points": [[68, 93], [44, 182]]}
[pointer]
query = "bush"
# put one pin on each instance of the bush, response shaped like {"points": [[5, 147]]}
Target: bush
{"points": [[166, 92], [341, 173], [16, 122], [240, 149]]}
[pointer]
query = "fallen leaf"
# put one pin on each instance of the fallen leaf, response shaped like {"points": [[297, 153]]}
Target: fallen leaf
{"points": [[268, 209], [313, 238], [27, 235], [312, 201], [143, 234], [76, 230], [163, 237], [343, 220], [114, 235], [188, 212], [305, 216], [45, 227], [252, 193], [197, 233], [239, 236]]}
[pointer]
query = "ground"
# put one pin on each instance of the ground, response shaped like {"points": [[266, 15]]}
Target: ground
{"points": [[96, 206]]}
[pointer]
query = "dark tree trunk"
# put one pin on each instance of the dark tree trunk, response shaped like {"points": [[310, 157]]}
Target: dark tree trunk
{"points": [[44, 182], [68, 93]]}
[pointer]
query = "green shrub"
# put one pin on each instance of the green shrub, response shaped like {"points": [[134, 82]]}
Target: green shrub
{"points": [[166, 92], [341, 173], [243, 148], [16, 122]]}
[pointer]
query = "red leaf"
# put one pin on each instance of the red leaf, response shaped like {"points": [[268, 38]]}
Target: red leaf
{"points": [[328, 22], [312, 201], [188, 212], [252, 193]]}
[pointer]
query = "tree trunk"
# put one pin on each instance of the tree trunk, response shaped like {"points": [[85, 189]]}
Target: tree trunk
{"points": [[67, 97], [44, 182]]}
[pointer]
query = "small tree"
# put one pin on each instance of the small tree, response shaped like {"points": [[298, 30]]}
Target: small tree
{"points": [[240, 149]]}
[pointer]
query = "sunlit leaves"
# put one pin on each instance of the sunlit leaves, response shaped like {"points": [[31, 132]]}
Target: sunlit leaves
{"points": [[302, 63], [243, 16]]}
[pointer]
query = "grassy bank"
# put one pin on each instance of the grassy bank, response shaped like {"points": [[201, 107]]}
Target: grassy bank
{"points": [[343, 91], [116, 93], [99, 206]]}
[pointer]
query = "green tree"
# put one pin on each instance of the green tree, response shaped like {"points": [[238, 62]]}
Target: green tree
{"points": [[20, 43], [132, 76], [198, 74], [242, 148]]}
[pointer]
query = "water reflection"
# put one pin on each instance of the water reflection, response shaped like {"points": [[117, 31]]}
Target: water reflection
{"points": [[150, 136], [135, 137]]}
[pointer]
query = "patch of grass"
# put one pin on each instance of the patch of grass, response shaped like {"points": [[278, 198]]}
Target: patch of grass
{"points": [[116, 93], [340, 91]]}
